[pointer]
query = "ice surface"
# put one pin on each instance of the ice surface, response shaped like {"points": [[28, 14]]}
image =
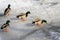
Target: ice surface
{"points": [[44, 9]]}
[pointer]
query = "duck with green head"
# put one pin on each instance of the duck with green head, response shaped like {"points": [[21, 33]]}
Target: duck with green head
{"points": [[39, 22], [7, 10], [4, 27], [23, 16]]}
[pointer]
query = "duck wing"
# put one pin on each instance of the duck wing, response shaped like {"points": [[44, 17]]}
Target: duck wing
{"points": [[4, 26]]}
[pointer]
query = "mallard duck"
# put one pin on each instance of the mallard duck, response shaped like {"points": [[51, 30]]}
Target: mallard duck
{"points": [[39, 22], [23, 16], [5, 25], [7, 10]]}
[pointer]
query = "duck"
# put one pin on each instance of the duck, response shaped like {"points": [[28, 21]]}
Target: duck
{"points": [[23, 16], [7, 10], [39, 22], [4, 27]]}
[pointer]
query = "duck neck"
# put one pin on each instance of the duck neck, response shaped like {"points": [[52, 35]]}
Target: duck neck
{"points": [[26, 14], [7, 22], [8, 7]]}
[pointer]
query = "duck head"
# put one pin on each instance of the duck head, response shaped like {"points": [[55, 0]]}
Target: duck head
{"points": [[28, 12], [9, 5], [8, 21], [44, 21]]}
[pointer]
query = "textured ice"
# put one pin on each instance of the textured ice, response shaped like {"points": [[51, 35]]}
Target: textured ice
{"points": [[44, 9]]}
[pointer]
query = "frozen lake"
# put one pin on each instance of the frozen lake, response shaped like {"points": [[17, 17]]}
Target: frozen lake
{"points": [[44, 9]]}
